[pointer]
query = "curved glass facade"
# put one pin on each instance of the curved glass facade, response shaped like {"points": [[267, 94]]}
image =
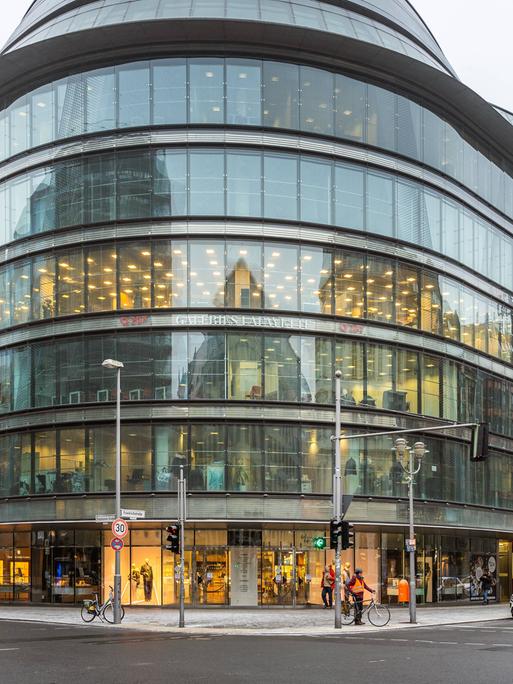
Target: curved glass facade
{"points": [[251, 275], [245, 92], [234, 182], [248, 366], [235, 230], [318, 16], [238, 457]]}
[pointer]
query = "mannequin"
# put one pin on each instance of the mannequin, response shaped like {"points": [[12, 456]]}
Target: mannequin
{"points": [[347, 397], [147, 575]]}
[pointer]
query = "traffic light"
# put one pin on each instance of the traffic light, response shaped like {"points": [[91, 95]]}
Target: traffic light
{"points": [[335, 532], [319, 543], [480, 442], [173, 538], [347, 536]]}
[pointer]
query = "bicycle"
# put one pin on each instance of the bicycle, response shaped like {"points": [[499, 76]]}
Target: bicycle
{"points": [[378, 614], [105, 612]]}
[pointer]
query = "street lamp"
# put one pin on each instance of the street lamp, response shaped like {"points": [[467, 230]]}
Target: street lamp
{"points": [[117, 365], [418, 451]]}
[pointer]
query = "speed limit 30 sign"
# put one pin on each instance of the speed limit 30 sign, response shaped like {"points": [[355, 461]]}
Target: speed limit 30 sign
{"points": [[119, 528]]}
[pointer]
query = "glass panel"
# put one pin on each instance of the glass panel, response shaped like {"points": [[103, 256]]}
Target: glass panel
{"points": [[381, 121], [170, 446], [44, 371], [244, 277], [282, 367], [280, 186], [350, 272], [380, 383], [281, 95], [380, 205], [451, 294], [206, 368], [70, 106], [349, 358], [137, 354], [208, 464], [243, 92], [431, 303], [282, 468], [169, 92], [134, 95], [70, 282], [43, 116], [316, 280], [206, 91], [408, 212], [170, 274], [430, 370], [405, 396], [72, 371], [207, 183], [380, 289], [100, 189], [101, 279], [316, 101], [349, 197], [73, 461], [20, 126], [134, 275], [407, 296], [316, 461], [45, 462], [100, 100], [281, 276], [316, 370], [102, 446], [244, 366], [431, 212], [170, 183], [5, 380], [134, 187], [101, 385], [136, 457], [244, 183], [244, 458], [207, 273], [350, 104], [20, 293], [315, 191]]}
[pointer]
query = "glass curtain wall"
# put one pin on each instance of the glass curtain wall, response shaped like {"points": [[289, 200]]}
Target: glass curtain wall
{"points": [[278, 186], [245, 92]]}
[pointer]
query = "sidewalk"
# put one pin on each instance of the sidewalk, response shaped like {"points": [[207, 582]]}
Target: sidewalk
{"points": [[256, 622]]}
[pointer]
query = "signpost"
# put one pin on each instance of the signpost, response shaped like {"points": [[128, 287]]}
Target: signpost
{"points": [[117, 544], [119, 528]]}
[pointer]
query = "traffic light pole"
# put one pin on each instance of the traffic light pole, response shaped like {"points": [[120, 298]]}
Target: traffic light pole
{"points": [[337, 504], [181, 522]]}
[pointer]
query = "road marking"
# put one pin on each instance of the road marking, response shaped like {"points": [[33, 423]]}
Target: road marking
{"points": [[377, 661], [424, 641], [473, 643], [9, 649], [508, 645], [398, 639], [452, 643]]}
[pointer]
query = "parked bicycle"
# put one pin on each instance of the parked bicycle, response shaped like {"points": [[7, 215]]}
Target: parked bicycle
{"points": [[105, 611], [378, 614]]}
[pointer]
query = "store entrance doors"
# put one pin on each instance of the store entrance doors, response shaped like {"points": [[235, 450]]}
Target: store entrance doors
{"points": [[211, 577], [284, 577]]}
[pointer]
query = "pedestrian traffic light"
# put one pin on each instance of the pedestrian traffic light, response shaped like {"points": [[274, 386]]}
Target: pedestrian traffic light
{"points": [[347, 536], [173, 538], [480, 442], [335, 532], [319, 543]]}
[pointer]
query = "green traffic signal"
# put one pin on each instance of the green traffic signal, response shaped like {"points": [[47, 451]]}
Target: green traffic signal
{"points": [[319, 543]]}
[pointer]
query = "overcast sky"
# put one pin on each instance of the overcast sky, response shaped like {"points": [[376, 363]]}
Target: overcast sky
{"points": [[475, 36]]}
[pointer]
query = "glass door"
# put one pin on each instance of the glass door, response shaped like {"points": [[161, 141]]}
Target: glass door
{"points": [[505, 567], [211, 577]]}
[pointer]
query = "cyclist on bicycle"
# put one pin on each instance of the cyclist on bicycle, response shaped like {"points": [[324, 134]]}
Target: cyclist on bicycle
{"points": [[357, 586]]}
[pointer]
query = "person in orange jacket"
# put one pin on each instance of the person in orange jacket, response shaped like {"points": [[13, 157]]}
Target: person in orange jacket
{"points": [[327, 584], [357, 586]]}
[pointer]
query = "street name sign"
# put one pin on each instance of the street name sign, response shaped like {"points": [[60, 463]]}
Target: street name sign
{"points": [[105, 517], [132, 513], [119, 528]]}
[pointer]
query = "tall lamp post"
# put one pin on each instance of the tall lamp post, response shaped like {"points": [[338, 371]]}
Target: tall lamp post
{"points": [[117, 365], [418, 451]]}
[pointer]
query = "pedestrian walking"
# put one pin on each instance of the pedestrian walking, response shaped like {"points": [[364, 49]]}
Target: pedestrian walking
{"points": [[357, 587], [327, 583], [487, 583]]}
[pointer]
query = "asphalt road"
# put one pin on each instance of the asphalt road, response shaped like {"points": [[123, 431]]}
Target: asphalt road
{"points": [[478, 653]]}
